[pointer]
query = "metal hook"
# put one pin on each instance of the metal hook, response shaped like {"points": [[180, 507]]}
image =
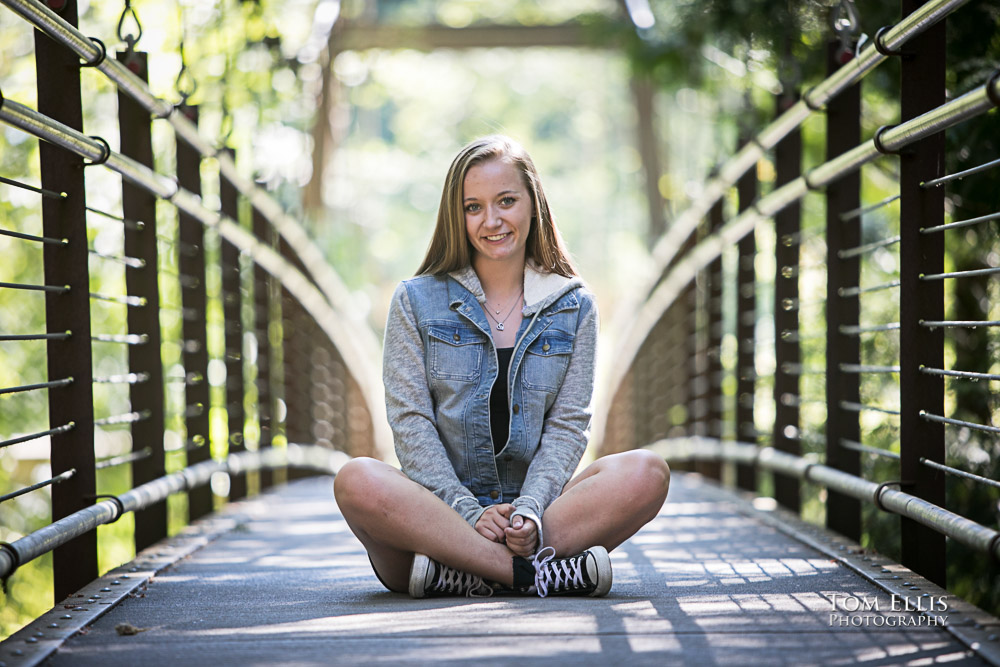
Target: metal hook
{"points": [[129, 39], [846, 24]]}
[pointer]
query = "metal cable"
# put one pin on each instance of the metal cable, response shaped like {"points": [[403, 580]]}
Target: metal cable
{"points": [[37, 239], [49, 336], [131, 301], [124, 458], [858, 447], [125, 339], [970, 324], [34, 436], [126, 418], [856, 291], [34, 487], [131, 262], [861, 368], [960, 223], [136, 225], [127, 378], [959, 473], [51, 194], [960, 274], [968, 375], [41, 385], [960, 175], [864, 210], [36, 288], [847, 253], [851, 406], [958, 422], [850, 330]]}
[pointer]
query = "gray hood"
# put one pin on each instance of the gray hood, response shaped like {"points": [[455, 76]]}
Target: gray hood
{"points": [[541, 289]]}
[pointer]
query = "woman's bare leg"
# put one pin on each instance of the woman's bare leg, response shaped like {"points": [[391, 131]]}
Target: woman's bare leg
{"points": [[607, 503], [394, 517]]}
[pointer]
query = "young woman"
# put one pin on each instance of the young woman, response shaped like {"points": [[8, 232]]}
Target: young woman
{"points": [[489, 371]]}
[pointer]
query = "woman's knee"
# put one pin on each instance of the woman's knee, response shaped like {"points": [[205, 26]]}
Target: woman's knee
{"points": [[649, 472], [357, 484]]}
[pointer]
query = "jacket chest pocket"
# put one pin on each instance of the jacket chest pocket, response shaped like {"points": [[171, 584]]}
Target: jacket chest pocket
{"points": [[455, 353], [545, 361]]}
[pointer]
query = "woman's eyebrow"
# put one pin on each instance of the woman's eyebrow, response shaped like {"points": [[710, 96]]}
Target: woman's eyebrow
{"points": [[499, 194]]}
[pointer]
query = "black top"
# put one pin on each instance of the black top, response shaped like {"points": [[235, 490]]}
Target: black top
{"points": [[499, 407]]}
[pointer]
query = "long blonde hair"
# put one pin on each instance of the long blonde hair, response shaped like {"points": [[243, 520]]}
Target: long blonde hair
{"points": [[449, 248]]}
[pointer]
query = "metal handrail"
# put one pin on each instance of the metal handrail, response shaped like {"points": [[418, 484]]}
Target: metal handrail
{"points": [[44, 540], [973, 103], [326, 278], [670, 242], [356, 357], [937, 518]]}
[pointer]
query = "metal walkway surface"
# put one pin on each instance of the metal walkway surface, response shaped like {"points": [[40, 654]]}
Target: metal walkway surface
{"points": [[711, 581]]}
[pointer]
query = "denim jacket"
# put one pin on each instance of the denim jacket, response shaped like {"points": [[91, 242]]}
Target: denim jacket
{"points": [[439, 367]]}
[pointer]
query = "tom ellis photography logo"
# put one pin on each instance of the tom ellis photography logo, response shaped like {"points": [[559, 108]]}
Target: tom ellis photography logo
{"points": [[860, 610]]}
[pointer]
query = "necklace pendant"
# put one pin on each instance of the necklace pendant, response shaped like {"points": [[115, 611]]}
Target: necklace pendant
{"points": [[499, 326]]}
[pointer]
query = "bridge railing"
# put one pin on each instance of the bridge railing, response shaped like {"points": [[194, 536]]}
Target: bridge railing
{"points": [[231, 300], [799, 328]]}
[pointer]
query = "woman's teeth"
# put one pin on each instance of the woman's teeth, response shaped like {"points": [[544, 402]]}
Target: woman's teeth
{"points": [[495, 238]]}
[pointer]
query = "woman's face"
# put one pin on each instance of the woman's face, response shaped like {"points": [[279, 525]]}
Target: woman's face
{"points": [[498, 211]]}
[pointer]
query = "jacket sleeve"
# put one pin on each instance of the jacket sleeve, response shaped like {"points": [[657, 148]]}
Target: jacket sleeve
{"points": [[567, 423], [411, 411]]}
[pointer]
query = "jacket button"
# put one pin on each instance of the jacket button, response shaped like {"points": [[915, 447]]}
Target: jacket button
{"points": [[494, 494], [546, 347], [517, 408], [457, 338]]}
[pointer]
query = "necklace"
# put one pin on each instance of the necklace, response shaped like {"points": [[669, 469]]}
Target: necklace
{"points": [[500, 322]]}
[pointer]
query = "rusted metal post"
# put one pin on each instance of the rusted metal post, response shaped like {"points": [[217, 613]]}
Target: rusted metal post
{"points": [[746, 323], [140, 206], [843, 118], [58, 76], [787, 226], [233, 323], [706, 387], [714, 325], [298, 377], [922, 89], [191, 263], [262, 322]]}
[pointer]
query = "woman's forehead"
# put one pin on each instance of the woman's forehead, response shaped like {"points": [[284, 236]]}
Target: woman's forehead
{"points": [[493, 174]]}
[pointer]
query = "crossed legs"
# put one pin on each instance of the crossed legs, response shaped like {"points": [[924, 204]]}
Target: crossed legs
{"points": [[394, 517]]}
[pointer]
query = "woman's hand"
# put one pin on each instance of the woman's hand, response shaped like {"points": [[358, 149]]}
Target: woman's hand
{"points": [[522, 536], [494, 521]]}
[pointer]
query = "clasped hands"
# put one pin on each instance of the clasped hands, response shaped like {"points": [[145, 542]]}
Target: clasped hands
{"points": [[519, 534]]}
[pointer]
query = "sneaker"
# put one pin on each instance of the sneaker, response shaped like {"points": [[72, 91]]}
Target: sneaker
{"points": [[587, 573], [428, 577]]}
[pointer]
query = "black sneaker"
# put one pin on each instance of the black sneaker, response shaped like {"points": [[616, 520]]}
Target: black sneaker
{"points": [[428, 577], [587, 573]]}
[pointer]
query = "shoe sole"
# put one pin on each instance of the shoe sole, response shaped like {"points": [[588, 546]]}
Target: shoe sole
{"points": [[603, 576], [418, 575]]}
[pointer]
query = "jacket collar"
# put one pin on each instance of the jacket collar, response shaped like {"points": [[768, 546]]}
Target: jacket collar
{"points": [[541, 289]]}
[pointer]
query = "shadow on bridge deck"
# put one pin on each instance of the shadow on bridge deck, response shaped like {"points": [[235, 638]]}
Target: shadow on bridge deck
{"points": [[703, 584]]}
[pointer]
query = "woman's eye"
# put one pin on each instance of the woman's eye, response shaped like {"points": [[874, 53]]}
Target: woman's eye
{"points": [[508, 201], [472, 208]]}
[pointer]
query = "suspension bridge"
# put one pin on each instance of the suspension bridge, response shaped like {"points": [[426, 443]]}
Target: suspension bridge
{"points": [[264, 568]]}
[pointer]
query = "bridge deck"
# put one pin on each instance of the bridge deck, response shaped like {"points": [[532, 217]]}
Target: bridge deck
{"points": [[708, 582]]}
